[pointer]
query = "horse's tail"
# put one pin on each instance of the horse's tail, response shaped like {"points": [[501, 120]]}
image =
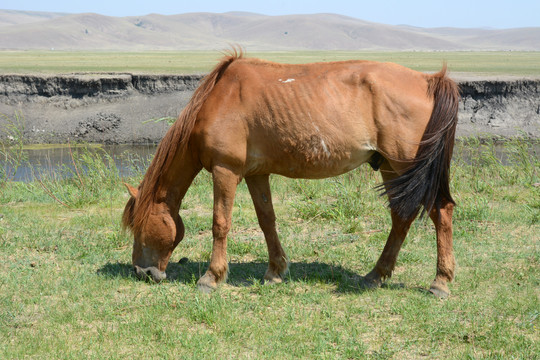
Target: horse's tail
{"points": [[426, 182], [176, 139]]}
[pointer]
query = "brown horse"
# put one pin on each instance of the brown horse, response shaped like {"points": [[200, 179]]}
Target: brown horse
{"points": [[250, 118]]}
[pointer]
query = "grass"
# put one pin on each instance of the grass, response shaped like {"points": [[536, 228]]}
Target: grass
{"points": [[11, 149], [68, 290], [189, 62]]}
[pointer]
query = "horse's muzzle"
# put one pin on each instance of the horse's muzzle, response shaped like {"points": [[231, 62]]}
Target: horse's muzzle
{"points": [[152, 273]]}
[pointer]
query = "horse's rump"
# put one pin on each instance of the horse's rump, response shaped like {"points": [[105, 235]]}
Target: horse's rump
{"points": [[426, 182]]}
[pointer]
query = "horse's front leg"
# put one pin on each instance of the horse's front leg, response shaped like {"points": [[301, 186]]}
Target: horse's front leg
{"points": [[225, 183], [259, 188], [445, 254]]}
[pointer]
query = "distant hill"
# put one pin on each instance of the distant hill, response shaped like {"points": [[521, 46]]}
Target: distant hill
{"points": [[23, 30], [15, 17]]}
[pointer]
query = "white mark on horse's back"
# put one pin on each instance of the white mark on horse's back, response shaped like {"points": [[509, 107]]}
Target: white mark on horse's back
{"points": [[286, 81]]}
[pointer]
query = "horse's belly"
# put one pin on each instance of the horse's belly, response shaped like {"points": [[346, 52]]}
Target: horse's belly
{"points": [[316, 164], [332, 166]]}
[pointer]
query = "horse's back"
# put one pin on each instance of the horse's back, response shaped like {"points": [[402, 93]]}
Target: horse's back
{"points": [[309, 120]]}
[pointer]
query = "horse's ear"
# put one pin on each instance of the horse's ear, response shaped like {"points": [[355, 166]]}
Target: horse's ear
{"points": [[132, 191]]}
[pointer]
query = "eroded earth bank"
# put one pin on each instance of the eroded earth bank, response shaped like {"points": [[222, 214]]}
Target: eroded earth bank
{"points": [[123, 108]]}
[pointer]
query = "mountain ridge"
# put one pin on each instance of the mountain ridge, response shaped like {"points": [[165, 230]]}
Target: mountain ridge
{"points": [[24, 30]]}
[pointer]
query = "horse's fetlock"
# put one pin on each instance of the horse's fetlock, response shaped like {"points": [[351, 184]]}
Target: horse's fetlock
{"points": [[219, 272], [384, 271]]}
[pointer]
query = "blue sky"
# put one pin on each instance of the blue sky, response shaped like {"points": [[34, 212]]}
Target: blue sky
{"points": [[423, 13]]}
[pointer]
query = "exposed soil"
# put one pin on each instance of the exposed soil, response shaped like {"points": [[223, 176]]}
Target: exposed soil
{"points": [[500, 106], [121, 108], [111, 109]]}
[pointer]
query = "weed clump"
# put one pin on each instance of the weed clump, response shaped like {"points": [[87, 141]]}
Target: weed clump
{"points": [[12, 155]]}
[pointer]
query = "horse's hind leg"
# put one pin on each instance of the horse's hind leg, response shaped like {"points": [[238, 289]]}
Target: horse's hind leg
{"points": [[259, 188], [225, 183], [445, 255], [387, 261], [400, 227]]}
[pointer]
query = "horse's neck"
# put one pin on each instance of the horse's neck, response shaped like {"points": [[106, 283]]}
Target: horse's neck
{"points": [[175, 180]]}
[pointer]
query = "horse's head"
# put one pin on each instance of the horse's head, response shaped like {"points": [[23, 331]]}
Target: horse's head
{"points": [[155, 237]]}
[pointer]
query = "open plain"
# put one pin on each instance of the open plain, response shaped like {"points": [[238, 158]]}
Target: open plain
{"points": [[68, 290]]}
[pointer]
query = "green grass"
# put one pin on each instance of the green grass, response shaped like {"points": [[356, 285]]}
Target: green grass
{"points": [[67, 289], [189, 62]]}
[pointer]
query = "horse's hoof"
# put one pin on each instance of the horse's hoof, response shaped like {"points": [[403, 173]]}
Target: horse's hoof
{"points": [[272, 280], [440, 290], [205, 289], [206, 284], [370, 284], [372, 280]]}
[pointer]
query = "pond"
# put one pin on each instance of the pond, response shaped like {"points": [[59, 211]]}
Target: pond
{"points": [[48, 160]]}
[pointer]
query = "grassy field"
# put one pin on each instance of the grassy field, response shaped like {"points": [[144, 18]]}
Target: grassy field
{"points": [[68, 291], [188, 62]]}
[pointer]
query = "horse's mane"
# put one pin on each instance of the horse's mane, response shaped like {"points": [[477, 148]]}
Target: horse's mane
{"points": [[137, 210]]}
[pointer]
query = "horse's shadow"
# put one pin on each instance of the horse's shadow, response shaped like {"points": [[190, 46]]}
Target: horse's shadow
{"points": [[248, 274]]}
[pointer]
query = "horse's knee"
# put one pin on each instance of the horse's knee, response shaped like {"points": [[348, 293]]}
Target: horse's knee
{"points": [[220, 227]]}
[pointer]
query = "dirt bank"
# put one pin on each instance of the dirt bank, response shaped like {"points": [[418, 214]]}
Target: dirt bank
{"points": [[119, 108], [507, 107]]}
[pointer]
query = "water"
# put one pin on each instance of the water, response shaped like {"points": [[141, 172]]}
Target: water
{"points": [[134, 159], [47, 161]]}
